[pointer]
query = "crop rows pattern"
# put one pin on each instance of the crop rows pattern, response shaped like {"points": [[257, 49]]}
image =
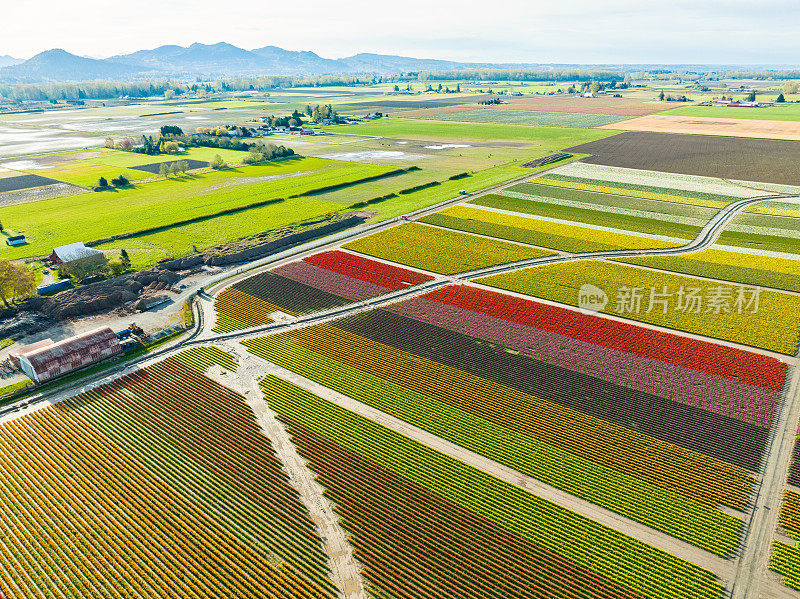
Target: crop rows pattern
{"points": [[156, 485], [319, 282], [540, 233], [200, 358], [770, 325], [371, 271], [401, 539], [747, 269], [238, 310], [785, 558], [551, 342], [723, 438], [705, 356], [637, 191], [439, 250], [594, 460], [591, 215]]}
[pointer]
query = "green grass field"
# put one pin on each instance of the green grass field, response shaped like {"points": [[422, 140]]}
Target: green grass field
{"points": [[528, 117], [779, 112], [112, 163], [92, 216], [554, 138]]}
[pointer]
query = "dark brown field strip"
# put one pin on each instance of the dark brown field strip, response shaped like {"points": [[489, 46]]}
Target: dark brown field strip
{"points": [[292, 295], [436, 545], [794, 469], [771, 161], [24, 182], [713, 434]]}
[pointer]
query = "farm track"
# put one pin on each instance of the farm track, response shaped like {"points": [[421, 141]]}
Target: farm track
{"points": [[345, 571], [749, 569]]}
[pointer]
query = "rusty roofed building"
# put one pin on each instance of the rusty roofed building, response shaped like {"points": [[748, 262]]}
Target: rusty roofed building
{"points": [[45, 363]]}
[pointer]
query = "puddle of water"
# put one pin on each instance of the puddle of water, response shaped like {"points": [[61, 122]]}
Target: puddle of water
{"points": [[368, 155], [446, 146]]}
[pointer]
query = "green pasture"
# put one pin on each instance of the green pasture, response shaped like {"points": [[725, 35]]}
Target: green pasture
{"points": [[112, 163], [91, 216], [551, 137], [779, 112], [529, 117]]}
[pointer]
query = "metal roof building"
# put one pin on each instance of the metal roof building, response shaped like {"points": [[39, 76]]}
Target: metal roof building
{"points": [[70, 354], [26, 349], [72, 252]]}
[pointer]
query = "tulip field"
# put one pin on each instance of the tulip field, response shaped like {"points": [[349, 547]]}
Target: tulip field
{"points": [[426, 525], [201, 358], [785, 558], [439, 250], [159, 484], [717, 310], [532, 231], [699, 411], [664, 194], [325, 280], [747, 269]]}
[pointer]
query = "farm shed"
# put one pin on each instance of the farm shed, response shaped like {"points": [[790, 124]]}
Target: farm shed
{"points": [[16, 240], [74, 252], [25, 349], [70, 354]]}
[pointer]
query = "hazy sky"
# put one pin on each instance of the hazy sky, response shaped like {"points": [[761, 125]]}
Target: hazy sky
{"points": [[580, 31]]}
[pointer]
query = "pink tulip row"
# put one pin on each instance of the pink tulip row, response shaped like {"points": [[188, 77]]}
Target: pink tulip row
{"points": [[330, 281], [706, 391]]}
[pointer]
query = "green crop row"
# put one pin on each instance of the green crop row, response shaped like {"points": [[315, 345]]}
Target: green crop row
{"points": [[640, 567], [557, 236], [200, 358]]}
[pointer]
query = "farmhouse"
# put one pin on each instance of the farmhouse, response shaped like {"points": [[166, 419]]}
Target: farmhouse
{"points": [[50, 361]]}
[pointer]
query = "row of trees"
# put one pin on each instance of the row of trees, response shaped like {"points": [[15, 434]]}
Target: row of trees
{"points": [[266, 152], [179, 167]]}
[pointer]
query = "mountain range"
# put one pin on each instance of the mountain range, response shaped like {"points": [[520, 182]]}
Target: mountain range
{"points": [[210, 60]]}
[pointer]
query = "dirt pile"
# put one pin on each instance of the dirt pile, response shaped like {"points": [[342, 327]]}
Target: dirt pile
{"points": [[104, 295]]}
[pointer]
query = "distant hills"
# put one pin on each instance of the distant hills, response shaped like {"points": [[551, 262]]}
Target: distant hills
{"points": [[211, 60]]}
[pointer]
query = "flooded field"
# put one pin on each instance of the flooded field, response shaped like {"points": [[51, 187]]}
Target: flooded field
{"points": [[18, 141]]}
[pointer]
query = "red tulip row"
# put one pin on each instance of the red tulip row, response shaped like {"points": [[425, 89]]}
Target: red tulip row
{"points": [[732, 363], [372, 271]]}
